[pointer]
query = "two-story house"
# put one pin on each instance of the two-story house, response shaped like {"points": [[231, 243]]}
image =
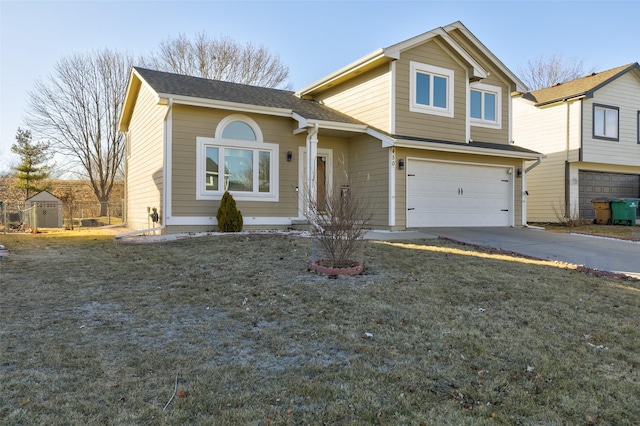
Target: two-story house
{"points": [[423, 126], [589, 131]]}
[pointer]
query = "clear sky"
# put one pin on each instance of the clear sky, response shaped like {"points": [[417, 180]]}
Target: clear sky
{"points": [[313, 38]]}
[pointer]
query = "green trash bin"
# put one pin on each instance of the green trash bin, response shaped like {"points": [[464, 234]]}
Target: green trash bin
{"points": [[623, 211]]}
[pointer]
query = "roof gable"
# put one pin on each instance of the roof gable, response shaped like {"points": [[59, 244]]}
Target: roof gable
{"points": [[393, 52], [43, 196], [581, 87]]}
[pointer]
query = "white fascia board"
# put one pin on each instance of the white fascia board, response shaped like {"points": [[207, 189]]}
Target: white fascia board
{"points": [[520, 86], [387, 141], [231, 106], [304, 123], [335, 125], [465, 149], [395, 50], [364, 61]]}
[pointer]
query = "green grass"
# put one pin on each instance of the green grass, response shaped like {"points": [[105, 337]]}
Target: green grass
{"points": [[99, 332]]}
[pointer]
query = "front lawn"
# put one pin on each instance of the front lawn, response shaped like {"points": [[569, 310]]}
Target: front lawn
{"points": [[234, 329]]}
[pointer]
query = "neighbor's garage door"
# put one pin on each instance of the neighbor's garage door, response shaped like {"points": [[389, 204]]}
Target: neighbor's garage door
{"points": [[453, 194], [595, 185]]}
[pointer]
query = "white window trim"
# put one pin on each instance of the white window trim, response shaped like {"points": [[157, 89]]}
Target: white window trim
{"points": [[487, 88], [201, 166], [239, 117], [414, 106]]}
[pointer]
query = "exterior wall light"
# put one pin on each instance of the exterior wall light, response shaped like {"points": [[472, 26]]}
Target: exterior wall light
{"points": [[401, 164], [289, 156]]}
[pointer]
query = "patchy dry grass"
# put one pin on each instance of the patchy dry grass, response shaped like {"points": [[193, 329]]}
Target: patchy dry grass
{"points": [[611, 231], [98, 332]]}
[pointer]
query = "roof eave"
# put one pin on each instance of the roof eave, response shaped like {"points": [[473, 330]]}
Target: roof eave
{"points": [[466, 149], [369, 61], [131, 94], [477, 70], [226, 105], [519, 84]]}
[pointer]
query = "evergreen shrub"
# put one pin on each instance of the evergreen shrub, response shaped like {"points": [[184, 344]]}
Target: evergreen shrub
{"points": [[229, 217]]}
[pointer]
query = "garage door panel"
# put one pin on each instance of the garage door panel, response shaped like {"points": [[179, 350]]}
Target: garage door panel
{"points": [[605, 185], [454, 194]]}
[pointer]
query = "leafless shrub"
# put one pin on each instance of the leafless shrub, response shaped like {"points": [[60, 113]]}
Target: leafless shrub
{"points": [[567, 216], [340, 221]]}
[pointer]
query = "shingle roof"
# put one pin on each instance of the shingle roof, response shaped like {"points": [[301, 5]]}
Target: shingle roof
{"points": [[581, 86], [474, 144], [201, 88]]}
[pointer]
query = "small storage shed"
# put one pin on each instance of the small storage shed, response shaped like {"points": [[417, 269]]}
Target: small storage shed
{"points": [[46, 210]]}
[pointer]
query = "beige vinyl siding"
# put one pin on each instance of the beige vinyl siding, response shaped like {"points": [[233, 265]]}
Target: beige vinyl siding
{"points": [[623, 93], [191, 122], [546, 130], [144, 162], [401, 178], [417, 124], [369, 170], [546, 188], [366, 97], [501, 135]]}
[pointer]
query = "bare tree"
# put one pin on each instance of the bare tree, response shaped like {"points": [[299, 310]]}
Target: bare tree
{"points": [[545, 71], [220, 59], [78, 108]]}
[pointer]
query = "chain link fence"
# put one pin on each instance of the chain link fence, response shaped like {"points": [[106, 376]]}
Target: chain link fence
{"points": [[17, 217]]}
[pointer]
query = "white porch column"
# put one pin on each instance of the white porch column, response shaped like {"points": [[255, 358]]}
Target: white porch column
{"points": [[312, 166]]}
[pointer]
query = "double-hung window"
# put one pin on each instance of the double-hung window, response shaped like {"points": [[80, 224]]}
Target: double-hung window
{"points": [[605, 122], [431, 89], [238, 161], [485, 105]]}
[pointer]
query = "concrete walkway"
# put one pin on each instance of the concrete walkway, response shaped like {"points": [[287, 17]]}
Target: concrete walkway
{"points": [[594, 252]]}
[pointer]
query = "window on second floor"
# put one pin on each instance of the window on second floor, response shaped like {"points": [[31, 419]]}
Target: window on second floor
{"points": [[485, 105], [431, 89], [605, 122], [638, 128]]}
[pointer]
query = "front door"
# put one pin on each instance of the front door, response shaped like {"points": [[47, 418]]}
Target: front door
{"points": [[324, 176], [321, 182]]}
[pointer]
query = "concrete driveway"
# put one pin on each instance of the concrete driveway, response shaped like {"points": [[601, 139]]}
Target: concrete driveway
{"points": [[600, 253]]}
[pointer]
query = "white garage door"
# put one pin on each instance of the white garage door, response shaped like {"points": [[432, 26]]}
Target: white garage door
{"points": [[454, 194]]}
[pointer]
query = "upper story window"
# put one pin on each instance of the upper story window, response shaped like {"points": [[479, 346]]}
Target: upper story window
{"points": [[485, 105], [431, 89], [237, 160], [638, 128], [605, 122]]}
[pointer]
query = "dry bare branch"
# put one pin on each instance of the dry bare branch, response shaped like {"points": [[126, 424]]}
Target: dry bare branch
{"points": [[220, 59], [78, 107]]}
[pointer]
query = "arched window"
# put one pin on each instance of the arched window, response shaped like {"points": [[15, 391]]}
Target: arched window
{"points": [[239, 130], [240, 127], [250, 166]]}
